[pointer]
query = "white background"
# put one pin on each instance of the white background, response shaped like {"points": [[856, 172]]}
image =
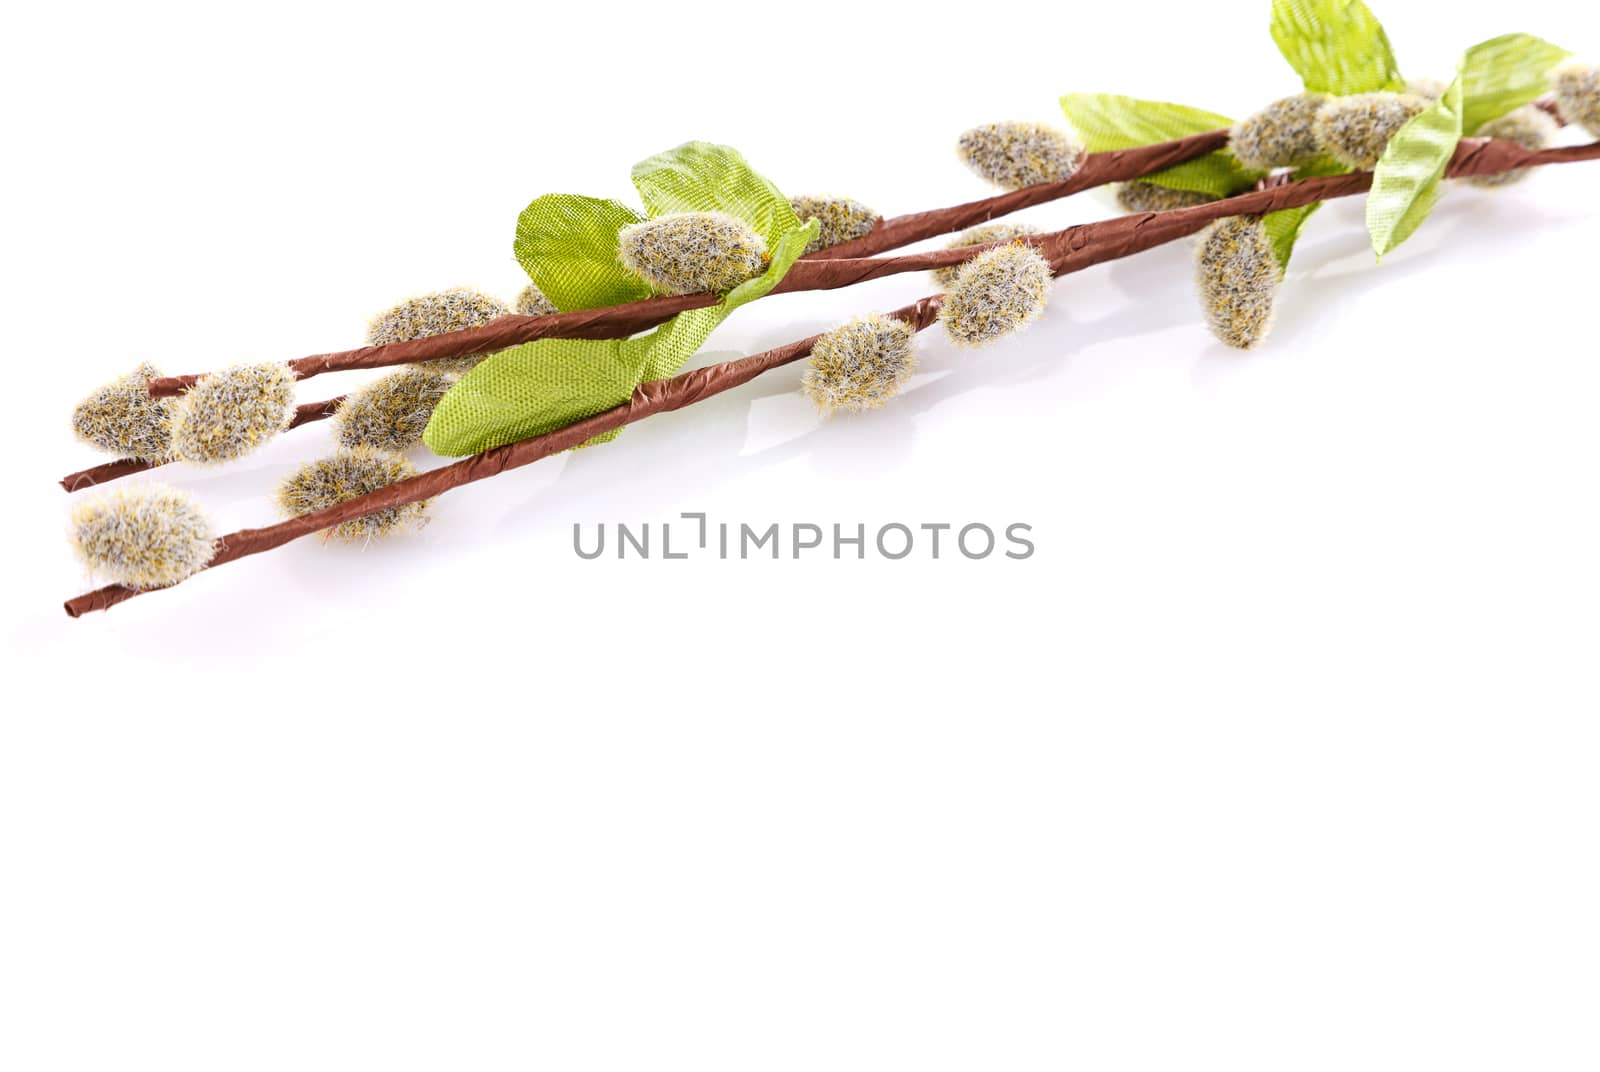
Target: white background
{"points": [[1279, 753]]}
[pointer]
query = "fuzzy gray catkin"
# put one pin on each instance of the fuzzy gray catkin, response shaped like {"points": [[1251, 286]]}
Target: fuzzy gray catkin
{"points": [[980, 235], [351, 472], [998, 292], [1238, 278], [391, 412], [1577, 89], [1355, 130], [437, 313], [693, 252], [144, 536], [121, 418], [1012, 155], [1280, 135], [1529, 127], [232, 412], [1148, 197], [842, 219], [860, 365]]}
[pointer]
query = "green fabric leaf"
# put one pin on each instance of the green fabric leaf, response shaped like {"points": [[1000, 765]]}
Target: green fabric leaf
{"points": [[540, 386], [568, 246], [1284, 226], [701, 177], [1106, 122], [1336, 46], [1503, 74], [1405, 184]]}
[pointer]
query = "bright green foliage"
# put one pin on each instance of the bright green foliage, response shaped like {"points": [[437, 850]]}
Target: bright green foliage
{"points": [[1501, 75], [1336, 46], [701, 177], [1405, 183], [1106, 121], [1283, 227], [539, 386], [568, 246]]}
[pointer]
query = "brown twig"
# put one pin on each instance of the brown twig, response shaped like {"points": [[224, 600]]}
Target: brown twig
{"points": [[1069, 251], [816, 271], [109, 471]]}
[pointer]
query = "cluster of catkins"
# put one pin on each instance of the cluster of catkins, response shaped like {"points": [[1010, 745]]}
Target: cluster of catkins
{"points": [[1238, 272], [152, 535]]}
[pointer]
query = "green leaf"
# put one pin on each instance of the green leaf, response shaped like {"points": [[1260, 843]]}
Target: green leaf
{"points": [[1284, 226], [701, 177], [540, 386], [1503, 74], [1106, 122], [1405, 184], [568, 246], [1336, 46]]}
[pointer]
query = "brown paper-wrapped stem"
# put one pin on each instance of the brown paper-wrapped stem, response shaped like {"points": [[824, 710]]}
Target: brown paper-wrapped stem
{"points": [[1070, 250], [109, 471]]}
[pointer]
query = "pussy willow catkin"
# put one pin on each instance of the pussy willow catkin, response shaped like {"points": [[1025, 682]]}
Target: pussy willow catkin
{"points": [[981, 235], [144, 536], [860, 365], [390, 412], [121, 418], [1577, 89], [345, 475], [1529, 127], [1355, 130], [1148, 197], [1013, 155], [231, 413], [1238, 277], [1283, 134], [437, 313], [693, 252], [842, 219], [995, 294]]}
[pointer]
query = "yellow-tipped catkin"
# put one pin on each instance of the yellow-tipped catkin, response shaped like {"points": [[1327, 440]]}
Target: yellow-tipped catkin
{"points": [[1355, 130], [144, 536], [230, 413], [693, 252], [1577, 90], [996, 293], [532, 302], [1529, 127], [441, 311], [343, 476], [390, 412], [1013, 155], [1238, 278], [841, 218], [1148, 197], [860, 365], [1280, 135], [980, 235], [122, 419]]}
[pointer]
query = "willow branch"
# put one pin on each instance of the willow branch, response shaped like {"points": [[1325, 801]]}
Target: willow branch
{"points": [[109, 471], [813, 272], [1071, 250]]}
